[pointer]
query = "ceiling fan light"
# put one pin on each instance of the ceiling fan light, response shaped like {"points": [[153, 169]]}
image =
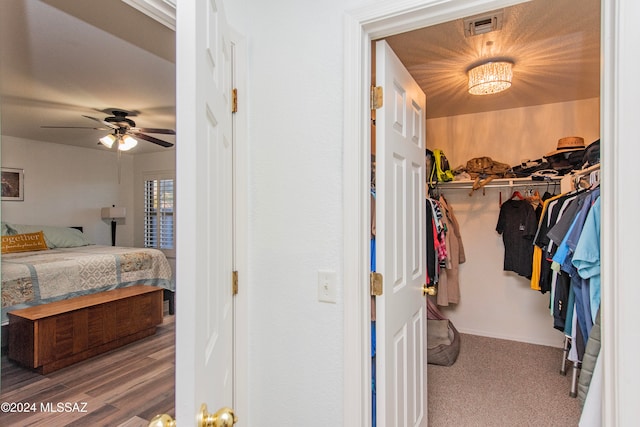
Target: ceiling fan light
{"points": [[108, 140], [490, 77], [127, 143]]}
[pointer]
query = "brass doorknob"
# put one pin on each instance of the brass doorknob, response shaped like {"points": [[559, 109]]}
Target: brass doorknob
{"points": [[162, 420], [429, 290], [224, 417]]}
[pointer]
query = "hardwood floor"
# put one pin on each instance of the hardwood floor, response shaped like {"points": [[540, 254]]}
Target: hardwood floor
{"points": [[124, 387]]}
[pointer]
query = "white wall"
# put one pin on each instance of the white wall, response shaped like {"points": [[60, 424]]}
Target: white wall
{"points": [[493, 302], [295, 145], [67, 186], [510, 136]]}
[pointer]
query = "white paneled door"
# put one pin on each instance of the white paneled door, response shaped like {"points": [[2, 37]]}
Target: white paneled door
{"points": [[204, 152], [400, 242]]}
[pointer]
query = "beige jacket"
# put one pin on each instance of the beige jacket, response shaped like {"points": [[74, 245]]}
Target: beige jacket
{"points": [[449, 280]]}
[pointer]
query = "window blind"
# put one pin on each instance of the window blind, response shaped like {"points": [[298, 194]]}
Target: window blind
{"points": [[158, 213]]}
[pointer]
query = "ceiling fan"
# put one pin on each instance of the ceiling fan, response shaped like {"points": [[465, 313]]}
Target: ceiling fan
{"points": [[122, 130]]}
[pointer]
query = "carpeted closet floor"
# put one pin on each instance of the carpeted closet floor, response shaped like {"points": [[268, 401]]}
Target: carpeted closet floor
{"points": [[499, 383]]}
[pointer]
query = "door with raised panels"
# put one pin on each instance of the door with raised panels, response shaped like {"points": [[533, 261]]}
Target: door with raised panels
{"points": [[400, 245], [204, 151]]}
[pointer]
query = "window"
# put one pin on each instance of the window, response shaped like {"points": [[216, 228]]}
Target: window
{"points": [[159, 226]]}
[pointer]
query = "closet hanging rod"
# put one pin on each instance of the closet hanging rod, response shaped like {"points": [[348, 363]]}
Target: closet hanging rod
{"points": [[499, 183], [586, 171], [593, 172]]}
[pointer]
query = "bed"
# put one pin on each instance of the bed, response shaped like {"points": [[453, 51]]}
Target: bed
{"points": [[57, 263]]}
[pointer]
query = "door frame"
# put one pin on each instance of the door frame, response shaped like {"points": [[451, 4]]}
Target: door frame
{"points": [[241, 230], [361, 27]]}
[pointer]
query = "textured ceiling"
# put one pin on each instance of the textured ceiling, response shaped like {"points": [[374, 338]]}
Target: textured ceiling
{"points": [[555, 45], [62, 59]]}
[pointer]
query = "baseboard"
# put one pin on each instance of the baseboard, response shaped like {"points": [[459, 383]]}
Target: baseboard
{"points": [[558, 344]]}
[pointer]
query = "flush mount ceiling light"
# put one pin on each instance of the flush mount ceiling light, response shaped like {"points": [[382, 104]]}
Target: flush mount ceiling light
{"points": [[490, 77]]}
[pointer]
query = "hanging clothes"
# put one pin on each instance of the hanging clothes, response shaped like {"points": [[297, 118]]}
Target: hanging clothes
{"points": [[445, 251], [537, 251], [567, 250], [449, 283], [586, 258], [432, 257], [562, 260], [436, 243], [557, 221], [517, 224], [553, 210]]}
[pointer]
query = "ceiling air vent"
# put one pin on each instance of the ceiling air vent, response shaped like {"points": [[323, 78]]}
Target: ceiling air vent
{"points": [[485, 23]]}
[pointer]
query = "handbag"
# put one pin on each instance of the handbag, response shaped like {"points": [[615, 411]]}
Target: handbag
{"points": [[487, 167], [484, 169]]}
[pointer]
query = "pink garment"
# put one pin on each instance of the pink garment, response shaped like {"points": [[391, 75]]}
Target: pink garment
{"points": [[432, 311]]}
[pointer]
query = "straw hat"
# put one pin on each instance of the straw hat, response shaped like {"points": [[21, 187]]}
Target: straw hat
{"points": [[568, 144]]}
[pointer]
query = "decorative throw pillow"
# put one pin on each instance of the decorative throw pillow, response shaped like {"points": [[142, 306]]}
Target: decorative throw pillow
{"points": [[55, 236], [24, 243]]}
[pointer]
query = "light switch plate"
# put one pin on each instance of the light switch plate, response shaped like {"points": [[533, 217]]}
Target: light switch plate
{"points": [[327, 286]]}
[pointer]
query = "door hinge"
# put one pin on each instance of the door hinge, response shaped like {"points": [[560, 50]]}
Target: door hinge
{"points": [[376, 97], [234, 100], [234, 283], [375, 280]]}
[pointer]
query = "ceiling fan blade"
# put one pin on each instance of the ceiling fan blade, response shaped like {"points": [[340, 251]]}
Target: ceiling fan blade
{"points": [[154, 130], [72, 127], [152, 139], [110, 125]]}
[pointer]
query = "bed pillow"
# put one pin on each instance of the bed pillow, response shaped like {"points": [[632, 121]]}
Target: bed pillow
{"points": [[24, 243], [56, 237]]}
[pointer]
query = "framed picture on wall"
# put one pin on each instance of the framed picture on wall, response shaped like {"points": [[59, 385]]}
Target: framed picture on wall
{"points": [[12, 184]]}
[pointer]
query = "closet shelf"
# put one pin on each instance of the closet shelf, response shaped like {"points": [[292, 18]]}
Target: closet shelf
{"points": [[499, 183]]}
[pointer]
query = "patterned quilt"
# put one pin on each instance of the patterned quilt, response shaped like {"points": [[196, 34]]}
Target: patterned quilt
{"points": [[33, 278]]}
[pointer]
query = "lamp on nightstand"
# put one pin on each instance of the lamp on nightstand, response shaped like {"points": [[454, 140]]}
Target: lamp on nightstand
{"points": [[113, 214]]}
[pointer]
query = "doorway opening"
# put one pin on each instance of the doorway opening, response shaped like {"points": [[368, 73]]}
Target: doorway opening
{"points": [[363, 27]]}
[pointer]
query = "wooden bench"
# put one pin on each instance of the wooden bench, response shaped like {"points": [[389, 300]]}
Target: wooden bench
{"points": [[51, 336]]}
